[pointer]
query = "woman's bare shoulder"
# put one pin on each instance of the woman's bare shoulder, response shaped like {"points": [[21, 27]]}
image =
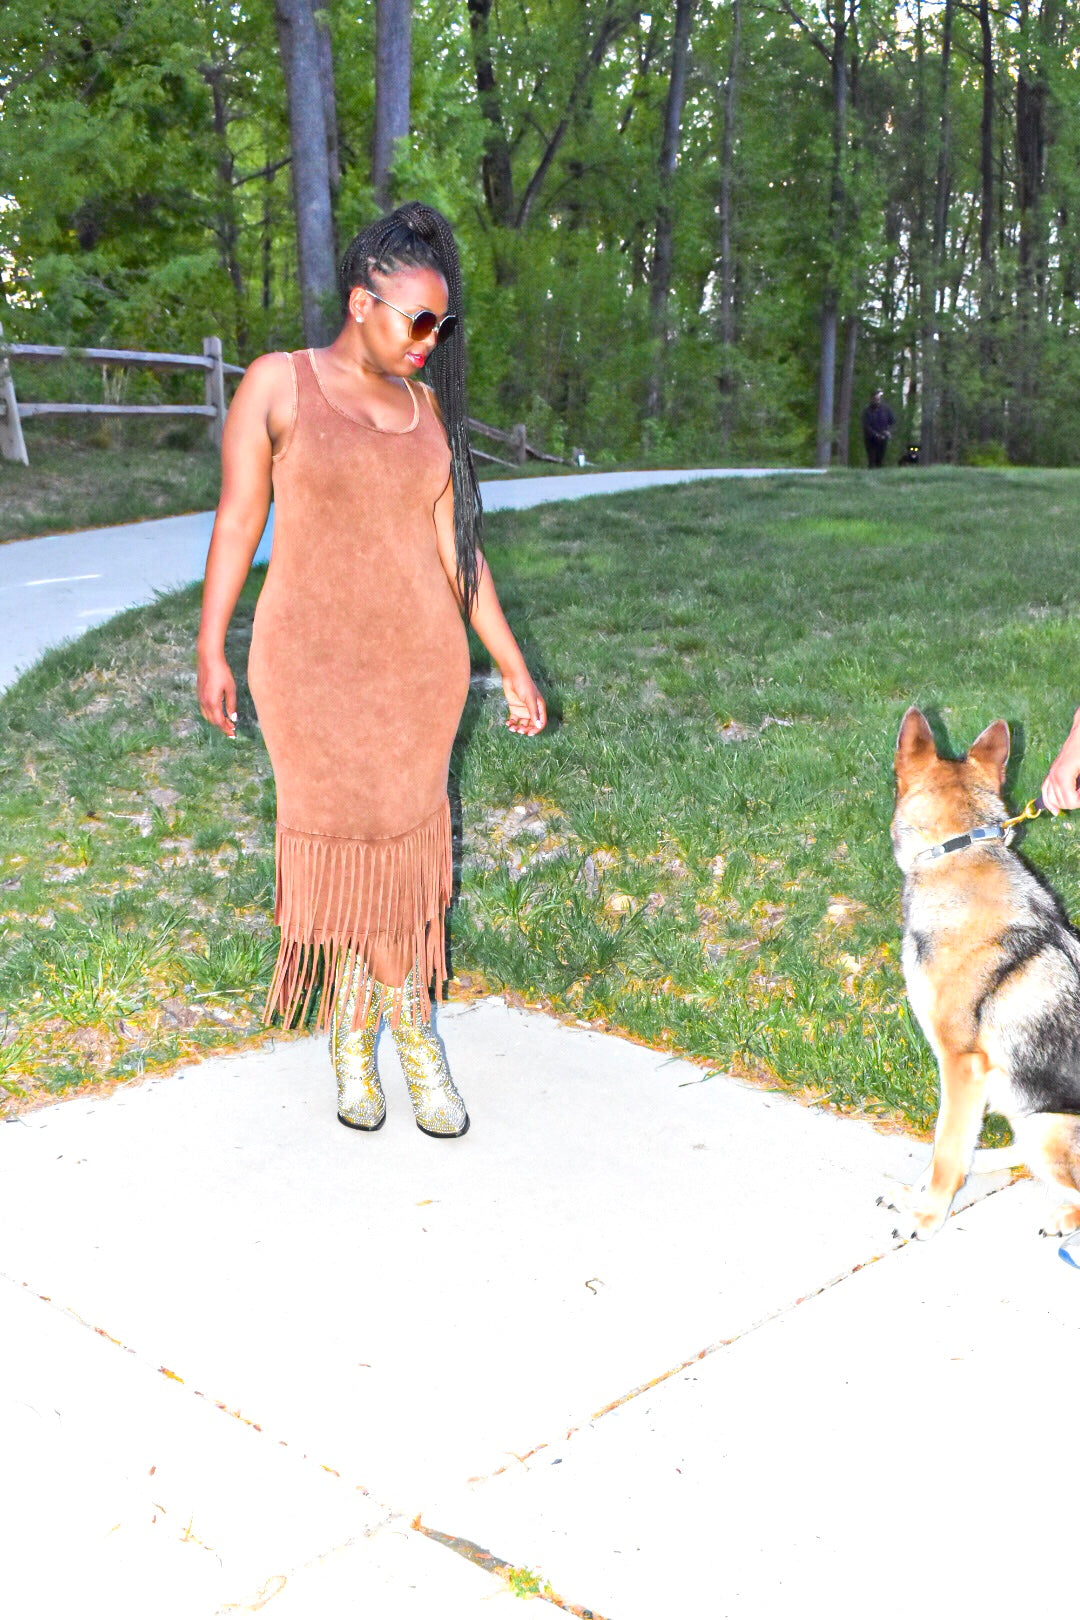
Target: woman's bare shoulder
{"points": [[266, 394], [270, 372]]}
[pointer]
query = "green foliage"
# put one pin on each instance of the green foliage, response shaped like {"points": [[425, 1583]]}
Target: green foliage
{"points": [[145, 201], [990, 453]]}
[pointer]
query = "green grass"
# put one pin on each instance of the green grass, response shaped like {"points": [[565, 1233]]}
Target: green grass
{"points": [[75, 483], [135, 877], [696, 852]]}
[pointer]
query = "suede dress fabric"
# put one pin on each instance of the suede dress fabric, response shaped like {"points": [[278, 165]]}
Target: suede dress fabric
{"points": [[359, 670]]}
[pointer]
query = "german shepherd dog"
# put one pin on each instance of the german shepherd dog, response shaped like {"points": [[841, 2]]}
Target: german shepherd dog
{"points": [[993, 976]]}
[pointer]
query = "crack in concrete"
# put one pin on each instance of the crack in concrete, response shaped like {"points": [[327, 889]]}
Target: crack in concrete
{"points": [[508, 1572], [720, 1344], [175, 1377], [681, 1366]]}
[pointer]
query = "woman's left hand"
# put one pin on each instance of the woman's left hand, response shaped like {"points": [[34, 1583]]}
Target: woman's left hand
{"points": [[528, 712]]}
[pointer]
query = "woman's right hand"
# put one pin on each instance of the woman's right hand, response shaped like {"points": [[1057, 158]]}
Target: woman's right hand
{"points": [[217, 693]]}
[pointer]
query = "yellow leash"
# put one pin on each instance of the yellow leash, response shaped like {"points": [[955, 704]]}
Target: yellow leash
{"points": [[1031, 810]]}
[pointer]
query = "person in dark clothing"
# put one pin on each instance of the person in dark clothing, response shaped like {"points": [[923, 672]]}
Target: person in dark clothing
{"points": [[877, 426]]}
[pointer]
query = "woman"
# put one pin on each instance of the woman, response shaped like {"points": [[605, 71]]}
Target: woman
{"points": [[359, 663]]}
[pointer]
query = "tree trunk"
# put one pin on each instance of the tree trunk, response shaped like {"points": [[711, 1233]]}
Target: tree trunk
{"points": [[496, 171], [612, 24], [830, 302], [931, 386], [660, 278], [847, 392], [266, 253], [298, 41], [1032, 136], [727, 264], [227, 224], [826, 379], [393, 85], [1032, 139], [329, 95], [922, 225], [986, 207]]}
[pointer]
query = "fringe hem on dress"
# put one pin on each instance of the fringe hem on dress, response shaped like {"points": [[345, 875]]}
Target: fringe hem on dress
{"points": [[338, 899]]}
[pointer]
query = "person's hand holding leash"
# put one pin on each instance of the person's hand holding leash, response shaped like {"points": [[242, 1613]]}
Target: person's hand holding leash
{"points": [[1059, 791]]}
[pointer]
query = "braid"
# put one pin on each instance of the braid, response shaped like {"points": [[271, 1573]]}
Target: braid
{"points": [[416, 236]]}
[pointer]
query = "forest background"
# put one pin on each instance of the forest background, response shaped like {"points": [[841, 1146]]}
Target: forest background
{"points": [[700, 232]]}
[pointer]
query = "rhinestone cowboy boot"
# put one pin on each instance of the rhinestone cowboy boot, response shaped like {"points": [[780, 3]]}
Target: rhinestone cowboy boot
{"points": [[436, 1101], [361, 1103]]}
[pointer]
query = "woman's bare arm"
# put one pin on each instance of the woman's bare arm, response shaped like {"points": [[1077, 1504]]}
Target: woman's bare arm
{"points": [[528, 712], [258, 416]]}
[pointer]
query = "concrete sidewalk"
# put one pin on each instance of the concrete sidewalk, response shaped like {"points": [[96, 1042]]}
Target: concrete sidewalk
{"points": [[57, 586], [642, 1334]]}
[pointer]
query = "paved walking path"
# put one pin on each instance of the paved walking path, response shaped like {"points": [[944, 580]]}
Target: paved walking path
{"points": [[59, 585], [642, 1337]]}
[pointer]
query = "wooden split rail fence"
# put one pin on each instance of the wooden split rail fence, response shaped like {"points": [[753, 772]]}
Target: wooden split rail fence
{"points": [[520, 448], [13, 411]]}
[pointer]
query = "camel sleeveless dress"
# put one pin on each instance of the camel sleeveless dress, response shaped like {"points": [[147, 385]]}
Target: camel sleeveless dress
{"points": [[359, 670]]}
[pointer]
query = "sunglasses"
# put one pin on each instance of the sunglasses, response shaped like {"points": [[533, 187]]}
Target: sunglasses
{"points": [[424, 322]]}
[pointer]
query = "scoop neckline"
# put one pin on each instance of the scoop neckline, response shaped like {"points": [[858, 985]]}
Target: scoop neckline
{"points": [[349, 417]]}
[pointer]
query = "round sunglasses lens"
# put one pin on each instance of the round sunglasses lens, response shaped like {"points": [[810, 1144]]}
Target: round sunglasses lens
{"points": [[448, 328], [423, 324]]}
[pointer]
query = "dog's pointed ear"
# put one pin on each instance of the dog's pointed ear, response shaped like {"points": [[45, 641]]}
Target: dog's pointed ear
{"points": [[915, 747], [916, 741], [990, 751]]}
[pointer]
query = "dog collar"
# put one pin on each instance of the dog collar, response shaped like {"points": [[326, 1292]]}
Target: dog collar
{"points": [[994, 831]]}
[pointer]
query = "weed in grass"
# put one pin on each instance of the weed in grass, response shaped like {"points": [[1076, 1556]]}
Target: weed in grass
{"points": [[201, 880], [14, 1049], [80, 851], [251, 884], [61, 1077], [83, 989], [130, 909], [230, 965], [89, 971], [214, 835], [507, 896]]}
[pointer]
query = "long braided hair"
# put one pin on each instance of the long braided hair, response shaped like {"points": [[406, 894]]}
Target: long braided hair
{"points": [[417, 237]]}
